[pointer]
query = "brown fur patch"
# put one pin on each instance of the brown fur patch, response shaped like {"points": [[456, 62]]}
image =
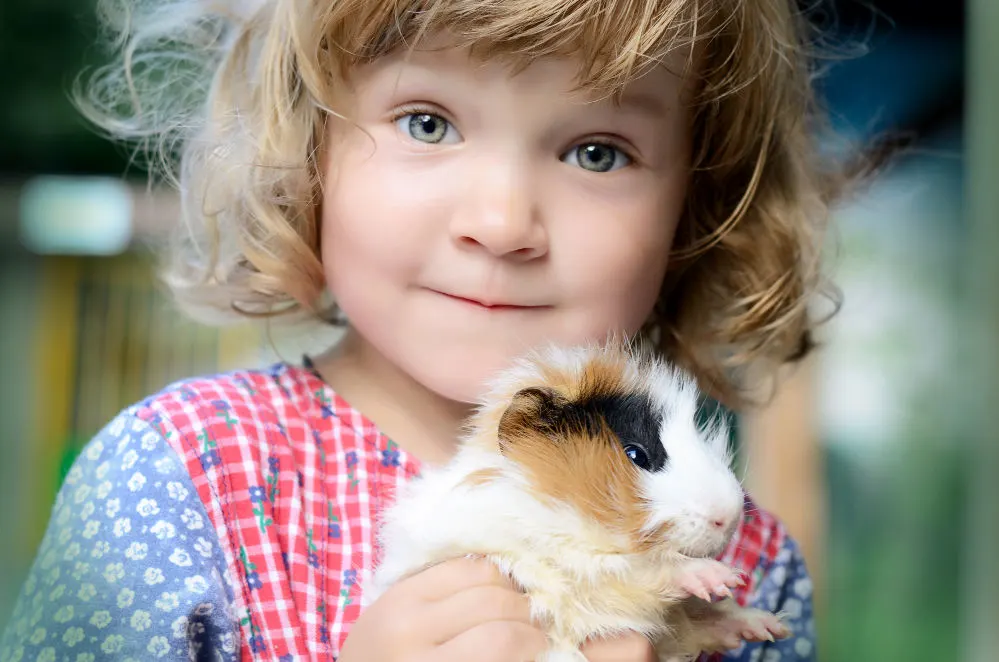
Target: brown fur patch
{"points": [[481, 477], [571, 455]]}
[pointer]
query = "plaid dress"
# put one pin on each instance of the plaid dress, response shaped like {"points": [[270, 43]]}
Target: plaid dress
{"points": [[232, 517]]}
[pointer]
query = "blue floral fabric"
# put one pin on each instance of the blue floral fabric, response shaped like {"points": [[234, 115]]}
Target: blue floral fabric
{"points": [[130, 567], [786, 588]]}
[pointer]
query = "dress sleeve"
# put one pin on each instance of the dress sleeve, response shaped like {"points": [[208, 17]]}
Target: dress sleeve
{"points": [[129, 567], [785, 588]]}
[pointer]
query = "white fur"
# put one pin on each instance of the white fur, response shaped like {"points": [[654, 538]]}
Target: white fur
{"points": [[570, 566]]}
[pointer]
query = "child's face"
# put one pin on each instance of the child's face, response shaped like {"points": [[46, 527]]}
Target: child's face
{"points": [[472, 213]]}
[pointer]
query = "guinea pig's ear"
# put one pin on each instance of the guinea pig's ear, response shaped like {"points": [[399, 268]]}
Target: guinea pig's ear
{"points": [[532, 411]]}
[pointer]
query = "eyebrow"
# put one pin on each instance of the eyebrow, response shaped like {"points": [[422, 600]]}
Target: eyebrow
{"points": [[647, 104]]}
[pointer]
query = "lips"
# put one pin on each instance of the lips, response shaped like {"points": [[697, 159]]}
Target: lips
{"points": [[486, 304]]}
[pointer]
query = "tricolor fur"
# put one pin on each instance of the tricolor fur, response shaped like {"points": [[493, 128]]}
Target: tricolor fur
{"points": [[585, 477]]}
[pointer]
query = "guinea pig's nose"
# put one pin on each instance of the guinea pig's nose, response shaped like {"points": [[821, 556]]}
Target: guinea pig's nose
{"points": [[718, 523]]}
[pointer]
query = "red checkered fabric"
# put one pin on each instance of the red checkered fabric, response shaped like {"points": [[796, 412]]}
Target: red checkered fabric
{"points": [[294, 480]]}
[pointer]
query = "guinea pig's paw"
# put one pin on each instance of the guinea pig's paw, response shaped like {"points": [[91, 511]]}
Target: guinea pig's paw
{"points": [[760, 625], [730, 624], [707, 578]]}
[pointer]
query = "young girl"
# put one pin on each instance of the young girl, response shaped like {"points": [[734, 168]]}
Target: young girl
{"points": [[454, 181]]}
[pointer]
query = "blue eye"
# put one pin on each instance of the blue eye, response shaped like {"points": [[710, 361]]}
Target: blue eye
{"points": [[637, 455], [426, 127], [596, 157]]}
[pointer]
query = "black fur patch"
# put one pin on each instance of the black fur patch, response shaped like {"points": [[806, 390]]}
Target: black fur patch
{"points": [[632, 417], [635, 420]]}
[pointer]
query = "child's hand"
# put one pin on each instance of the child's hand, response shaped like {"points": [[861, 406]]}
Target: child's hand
{"points": [[462, 611], [630, 647]]}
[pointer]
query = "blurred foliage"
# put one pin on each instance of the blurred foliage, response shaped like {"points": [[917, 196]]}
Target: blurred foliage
{"points": [[45, 44]]}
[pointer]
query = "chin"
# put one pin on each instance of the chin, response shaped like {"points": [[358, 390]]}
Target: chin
{"points": [[459, 376]]}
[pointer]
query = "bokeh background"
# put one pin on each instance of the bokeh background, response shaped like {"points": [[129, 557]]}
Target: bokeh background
{"points": [[881, 453]]}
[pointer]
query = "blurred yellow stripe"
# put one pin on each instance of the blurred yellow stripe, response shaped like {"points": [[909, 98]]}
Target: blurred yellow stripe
{"points": [[55, 353]]}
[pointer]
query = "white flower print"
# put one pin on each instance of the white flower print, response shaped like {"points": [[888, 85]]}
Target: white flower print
{"points": [[129, 459], [113, 572], [57, 593], [140, 620], [101, 619], [80, 569], [147, 507], [164, 465], [137, 551], [125, 598], [196, 584], [87, 510], [136, 482], [53, 576], [86, 592], [192, 519], [180, 558], [777, 575], [38, 636], [64, 537], [49, 559], [203, 547], [122, 525], [85, 657], [803, 588], [113, 643], [153, 576], [81, 493], [792, 607], [63, 517], [176, 490], [179, 627], [104, 489], [72, 551], [91, 529], [772, 656], [803, 647], [112, 507], [47, 655], [228, 643], [163, 530], [149, 441], [168, 602], [101, 547], [64, 615], [158, 646], [102, 471], [73, 636], [94, 450], [74, 475]]}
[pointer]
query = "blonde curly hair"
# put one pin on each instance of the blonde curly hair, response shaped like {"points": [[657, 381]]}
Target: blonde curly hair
{"points": [[231, 100]]}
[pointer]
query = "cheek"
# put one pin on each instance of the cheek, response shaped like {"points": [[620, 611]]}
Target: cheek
{"points": [[621, 258], [367, 215]]}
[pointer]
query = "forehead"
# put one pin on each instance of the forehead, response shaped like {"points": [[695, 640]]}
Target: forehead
{"points": [[611, 41], [442, 61]]}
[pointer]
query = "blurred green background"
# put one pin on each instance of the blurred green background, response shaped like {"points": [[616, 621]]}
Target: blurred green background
{"points": [[904, 391]]}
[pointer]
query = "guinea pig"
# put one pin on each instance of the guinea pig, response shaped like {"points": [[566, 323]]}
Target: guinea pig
{"points": [[584, 476]]}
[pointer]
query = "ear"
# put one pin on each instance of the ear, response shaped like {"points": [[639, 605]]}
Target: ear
{"points": [[535, 410]]}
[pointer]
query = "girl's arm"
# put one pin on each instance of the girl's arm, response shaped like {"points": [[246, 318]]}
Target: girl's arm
{"points": [[130, 567]]}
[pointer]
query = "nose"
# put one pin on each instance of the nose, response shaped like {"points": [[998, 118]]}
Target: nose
{"points": [[499, 213]]}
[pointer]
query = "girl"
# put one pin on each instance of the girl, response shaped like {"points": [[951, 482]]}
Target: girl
{"points": [[453, 181]]}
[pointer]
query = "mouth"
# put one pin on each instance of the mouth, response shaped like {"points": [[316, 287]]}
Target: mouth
{"points": [[490, 305]]}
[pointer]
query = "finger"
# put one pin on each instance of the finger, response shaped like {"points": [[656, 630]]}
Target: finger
{"points": [[495, 641], [444, 579], [632, 646], [475, 606]]}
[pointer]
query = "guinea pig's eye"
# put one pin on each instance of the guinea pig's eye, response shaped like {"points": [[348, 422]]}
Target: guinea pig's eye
{"points": [[637, 455]]}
